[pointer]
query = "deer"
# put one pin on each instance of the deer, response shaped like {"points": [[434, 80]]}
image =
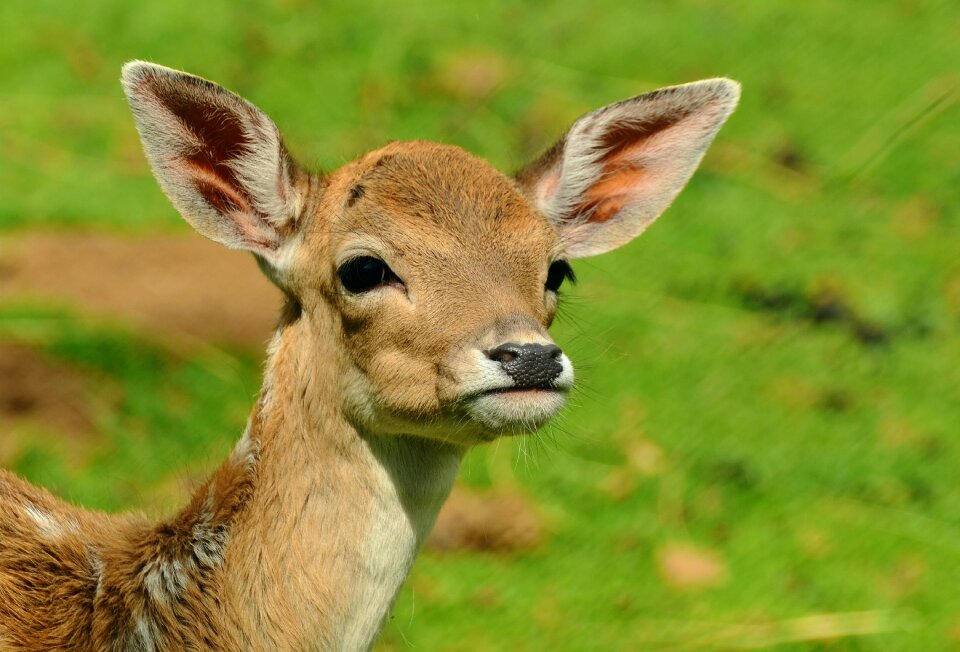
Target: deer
{"points": [[418, 286]]}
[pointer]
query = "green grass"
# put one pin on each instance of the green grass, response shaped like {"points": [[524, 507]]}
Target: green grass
{"points": [[788, 338]]}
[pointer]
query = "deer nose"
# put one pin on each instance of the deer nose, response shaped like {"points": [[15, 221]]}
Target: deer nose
{"points": [[531, 366]]}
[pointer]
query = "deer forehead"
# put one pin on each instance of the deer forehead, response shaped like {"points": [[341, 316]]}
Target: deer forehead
{"points": [[430, 204]]}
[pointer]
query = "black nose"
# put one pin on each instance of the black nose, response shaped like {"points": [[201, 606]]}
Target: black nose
{"points": [[532, 366]]}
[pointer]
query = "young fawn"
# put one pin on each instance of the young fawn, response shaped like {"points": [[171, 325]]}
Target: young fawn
{"points": [[419, 284]]}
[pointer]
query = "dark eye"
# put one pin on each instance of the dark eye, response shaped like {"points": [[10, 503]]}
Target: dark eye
{"points": [[364, 273], [559, 270]]}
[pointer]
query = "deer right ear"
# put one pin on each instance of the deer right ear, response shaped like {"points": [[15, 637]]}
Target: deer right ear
{"points": [[217, 157], [619, 167]]}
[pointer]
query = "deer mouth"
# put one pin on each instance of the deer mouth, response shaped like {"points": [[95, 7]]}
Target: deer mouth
{"points": [[522, 391], [515, 410]]}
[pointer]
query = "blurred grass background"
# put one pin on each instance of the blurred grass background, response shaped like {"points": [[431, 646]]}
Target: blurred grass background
{"points": [[764, 454]]}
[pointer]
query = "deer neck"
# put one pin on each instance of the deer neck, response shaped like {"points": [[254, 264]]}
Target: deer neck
{"points": [[335, 516]]}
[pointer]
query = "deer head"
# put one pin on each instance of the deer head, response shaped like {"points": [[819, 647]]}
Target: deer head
{"points": [[429, 278]]}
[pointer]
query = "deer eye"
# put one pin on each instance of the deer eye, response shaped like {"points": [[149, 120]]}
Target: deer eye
{"points": [[559, 270], [365, 273]]}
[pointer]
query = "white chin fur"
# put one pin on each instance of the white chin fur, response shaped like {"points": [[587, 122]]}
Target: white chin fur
{"points": [[523, 411]]}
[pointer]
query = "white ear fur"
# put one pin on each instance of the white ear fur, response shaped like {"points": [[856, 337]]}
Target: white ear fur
{"points": [[620, 167], [218, 158]]}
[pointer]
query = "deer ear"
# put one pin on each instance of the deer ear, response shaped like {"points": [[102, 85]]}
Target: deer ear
{"points": [[619, 167], [218, 158]]}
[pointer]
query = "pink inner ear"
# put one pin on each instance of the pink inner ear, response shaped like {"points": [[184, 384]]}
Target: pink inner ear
{"points": [[623, 174], [226, 201], [216, 190], [615, 189]]}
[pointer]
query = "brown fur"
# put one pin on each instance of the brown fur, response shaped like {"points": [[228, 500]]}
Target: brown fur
{"points": [[82, 584], [301, 539]]}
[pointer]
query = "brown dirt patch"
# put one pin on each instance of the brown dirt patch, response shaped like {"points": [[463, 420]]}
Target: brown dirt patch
{"points": [[497, 522], [35, 389], [169, 284], [687, 567]]}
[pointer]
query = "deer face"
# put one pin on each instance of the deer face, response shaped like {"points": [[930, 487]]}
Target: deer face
{"points": [[438, 267], [433, 276]]}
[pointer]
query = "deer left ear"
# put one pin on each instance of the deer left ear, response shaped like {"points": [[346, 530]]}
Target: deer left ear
{"points": [[219, 159], [620, 167]]}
